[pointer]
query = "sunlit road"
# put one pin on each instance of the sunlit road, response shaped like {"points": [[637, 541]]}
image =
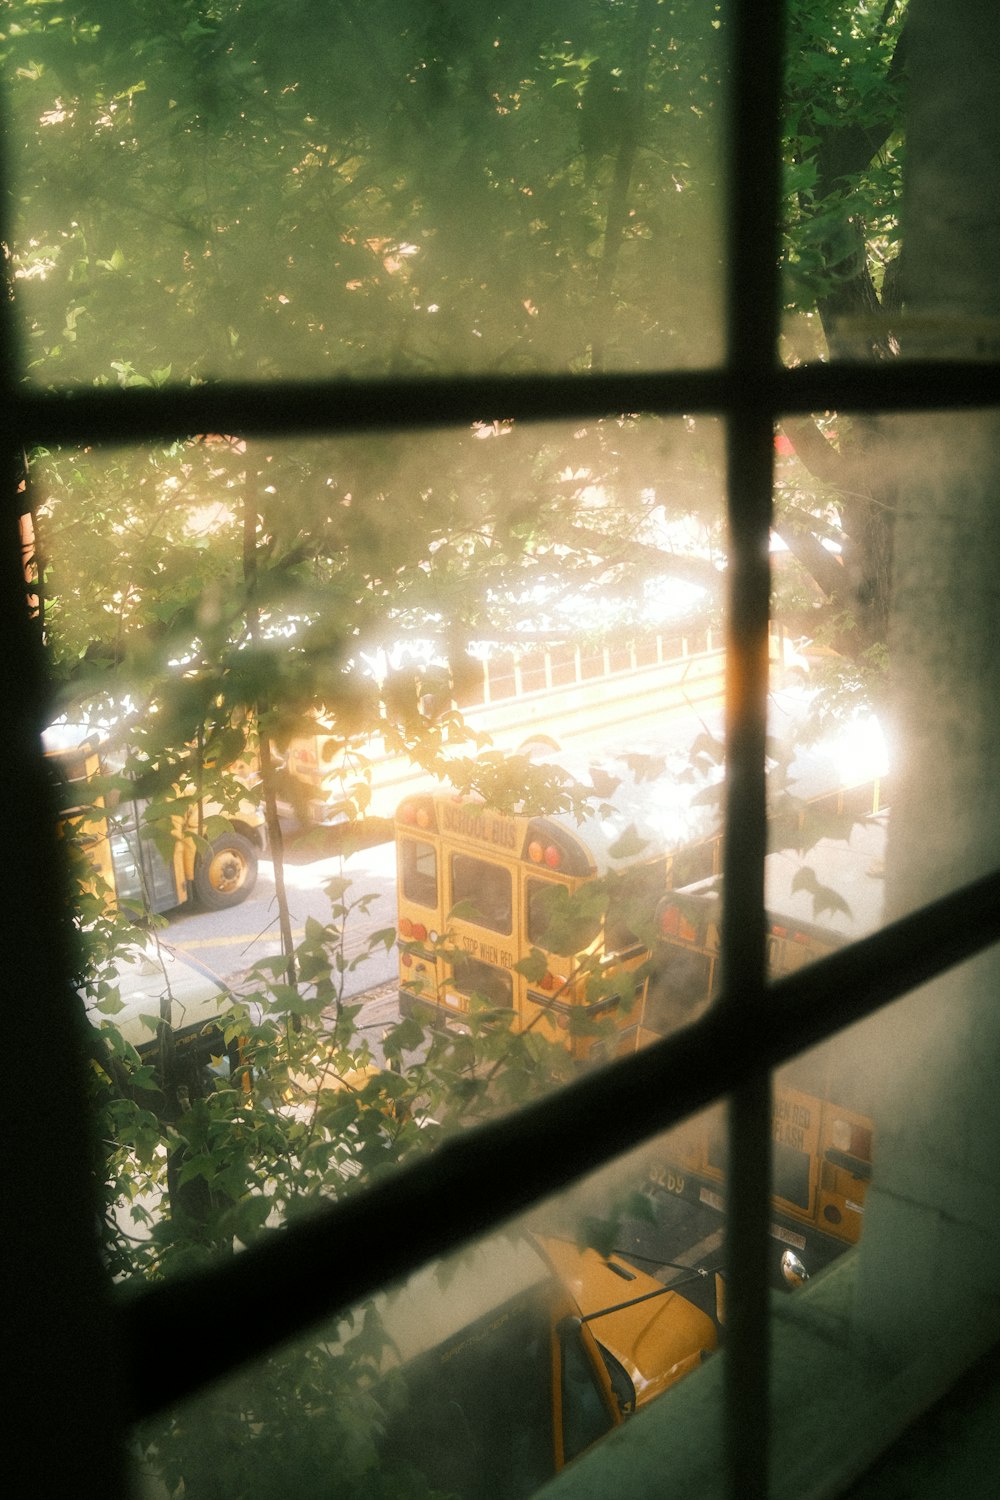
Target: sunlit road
{"points": [[228, 942]]}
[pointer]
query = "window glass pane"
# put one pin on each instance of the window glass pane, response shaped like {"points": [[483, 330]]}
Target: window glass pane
{"points": [[841, 265], [419, 872], [479, 1375], [379, 193], [503, 683], [533, 672], [486, 887], [563, 665], [585, 1413], [485, 981]]}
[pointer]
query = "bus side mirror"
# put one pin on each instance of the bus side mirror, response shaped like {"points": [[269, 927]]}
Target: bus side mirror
{"points": [[793, 1271]]}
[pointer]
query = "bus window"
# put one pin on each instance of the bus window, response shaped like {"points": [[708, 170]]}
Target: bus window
{"points": [[592, 663], [472, 977], [585, 1413], [790, 1174], [540, 897], [538, 909], [533, 673], [563, 659], [469, 688], [634, 894], [501, 676], [419, 865], [487, 888]]}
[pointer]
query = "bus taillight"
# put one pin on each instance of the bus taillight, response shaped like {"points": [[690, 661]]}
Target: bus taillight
{"points": [[418, 812], [544, 854], [673, 924], [412, 930]]}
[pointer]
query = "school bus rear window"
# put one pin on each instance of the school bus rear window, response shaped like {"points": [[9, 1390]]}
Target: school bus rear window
{"points": [[486, 887], [472, 977], [419, 872]]}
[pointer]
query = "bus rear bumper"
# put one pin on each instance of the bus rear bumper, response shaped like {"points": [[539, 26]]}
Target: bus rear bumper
{"points": [[414, 1007]]}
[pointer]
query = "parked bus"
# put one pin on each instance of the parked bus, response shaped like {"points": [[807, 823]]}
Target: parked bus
{"points": [[482, 894], [548, 921], [822, 1129], [545, 697], [528, 1351], [121, 848]]}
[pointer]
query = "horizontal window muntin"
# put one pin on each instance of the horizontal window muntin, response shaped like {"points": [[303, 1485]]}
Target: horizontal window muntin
{"points": [[85, 416]]}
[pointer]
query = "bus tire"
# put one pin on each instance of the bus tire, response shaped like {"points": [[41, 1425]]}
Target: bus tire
{"points": [[227, 874]]}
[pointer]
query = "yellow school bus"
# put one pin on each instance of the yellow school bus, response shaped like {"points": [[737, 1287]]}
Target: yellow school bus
{"points": [[123, 855], [499, 1374], [547, 696], [822, 1130], [483, 901], [484, 915]]}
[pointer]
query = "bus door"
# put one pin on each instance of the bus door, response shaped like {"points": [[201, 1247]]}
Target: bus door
{"points": [[545, 1000], [143, 877], [480, 857], [585, 997]]}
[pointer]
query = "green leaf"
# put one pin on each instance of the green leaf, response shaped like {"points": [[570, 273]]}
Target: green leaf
{"points": [[824, 897], [628, 845], [534, 967]]}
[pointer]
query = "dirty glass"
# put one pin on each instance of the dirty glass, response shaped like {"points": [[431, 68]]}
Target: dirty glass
{"points": [[387, 189], [481, 1374], [843, 153], [289, 659]]}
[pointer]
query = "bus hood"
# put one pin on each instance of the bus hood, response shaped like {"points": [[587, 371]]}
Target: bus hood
{"points": [[656, 1341]]}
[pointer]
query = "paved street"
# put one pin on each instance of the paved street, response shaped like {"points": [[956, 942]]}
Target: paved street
{"points": [[228, 942]]}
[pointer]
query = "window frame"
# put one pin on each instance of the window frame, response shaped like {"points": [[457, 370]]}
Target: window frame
{"points": [[730, 1051]]}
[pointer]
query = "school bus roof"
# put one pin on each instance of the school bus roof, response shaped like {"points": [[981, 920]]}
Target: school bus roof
{"points": [[835, 889], [851, 869], [654, 797], [640, 804]]}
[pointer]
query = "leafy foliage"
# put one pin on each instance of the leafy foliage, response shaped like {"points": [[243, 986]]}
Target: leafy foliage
{"points": [[203, 190]]}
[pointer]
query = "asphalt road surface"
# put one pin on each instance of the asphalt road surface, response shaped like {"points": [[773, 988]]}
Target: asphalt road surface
{"points": [[229, 942]]}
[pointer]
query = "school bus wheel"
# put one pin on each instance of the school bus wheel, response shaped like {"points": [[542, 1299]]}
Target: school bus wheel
{"points": [[227, 874]]}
